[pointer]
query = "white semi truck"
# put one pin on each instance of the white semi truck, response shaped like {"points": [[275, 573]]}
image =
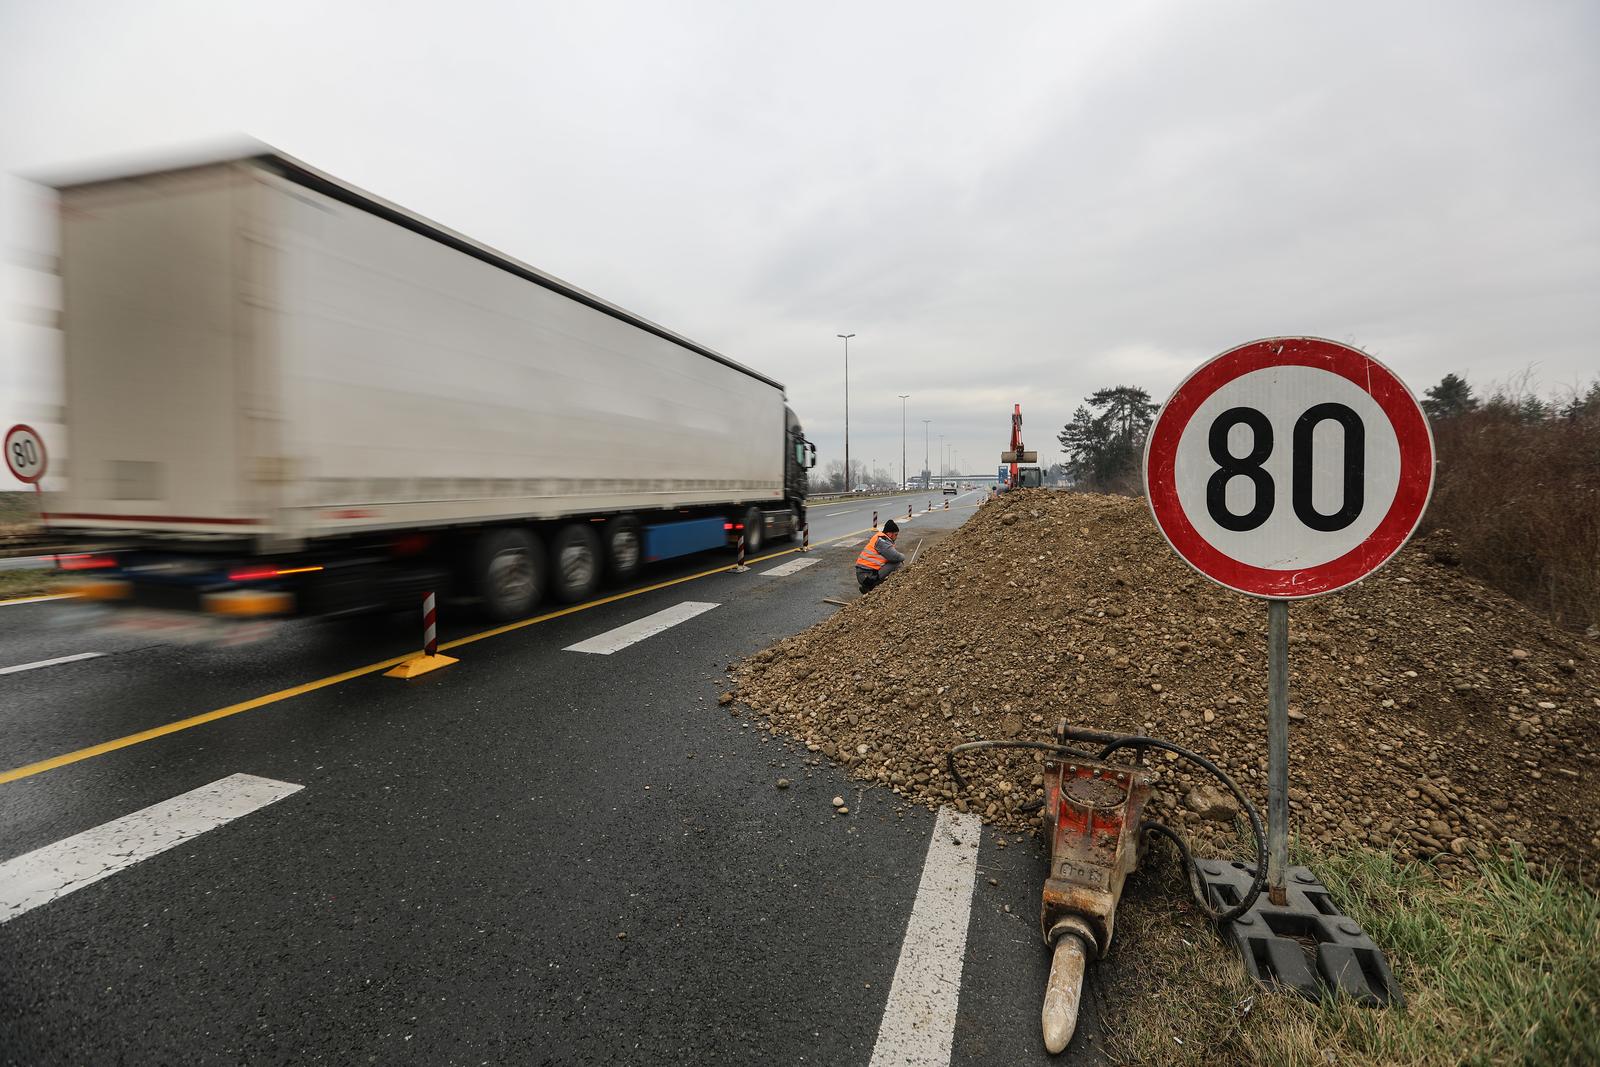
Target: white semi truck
{"points": [[285, 395]]}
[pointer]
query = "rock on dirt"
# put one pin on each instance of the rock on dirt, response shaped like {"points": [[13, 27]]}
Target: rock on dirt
{"points": [[1420, 730], [1211, 802]]}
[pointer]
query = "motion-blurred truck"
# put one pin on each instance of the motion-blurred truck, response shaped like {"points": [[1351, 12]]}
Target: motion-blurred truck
{"points": [[288, 396]]}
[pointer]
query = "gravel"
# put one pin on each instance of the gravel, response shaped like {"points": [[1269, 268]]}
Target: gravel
{"points": [[1430, 716]]}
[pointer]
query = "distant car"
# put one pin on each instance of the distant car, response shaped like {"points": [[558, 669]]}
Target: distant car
{"points": [[950, 490]]}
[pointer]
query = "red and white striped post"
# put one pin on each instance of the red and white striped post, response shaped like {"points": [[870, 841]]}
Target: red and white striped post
{"points": [[430, 660], [740, 568], [908, 511], [947, 505], [805, 538], [430, 625], [874, 520], [930, 505]]}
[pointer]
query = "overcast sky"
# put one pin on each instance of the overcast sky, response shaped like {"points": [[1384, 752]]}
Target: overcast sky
{"points": [[1004, 202]]}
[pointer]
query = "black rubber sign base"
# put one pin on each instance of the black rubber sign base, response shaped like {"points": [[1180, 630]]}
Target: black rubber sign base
{"points": [[1307, 945]]}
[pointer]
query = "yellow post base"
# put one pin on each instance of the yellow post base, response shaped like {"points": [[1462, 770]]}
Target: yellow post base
{"points": [[420, 665]]}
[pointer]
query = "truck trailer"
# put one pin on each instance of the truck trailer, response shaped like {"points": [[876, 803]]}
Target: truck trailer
{"points": [[285, 395]]}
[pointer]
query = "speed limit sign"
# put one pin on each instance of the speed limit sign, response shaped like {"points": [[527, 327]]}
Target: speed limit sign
{"points": [[1289, 467], [25, 453]]}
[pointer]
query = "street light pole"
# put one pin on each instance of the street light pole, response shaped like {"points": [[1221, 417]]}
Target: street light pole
{"points": [[943, 466], [847, 486], [926, 472], [903, 398]]}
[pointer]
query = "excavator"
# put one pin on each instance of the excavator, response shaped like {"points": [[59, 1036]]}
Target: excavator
{"points": [[1018, 476]]}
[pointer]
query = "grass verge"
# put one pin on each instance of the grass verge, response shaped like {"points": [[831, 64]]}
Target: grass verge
{"points": [[15, 584], [1499, 968]]}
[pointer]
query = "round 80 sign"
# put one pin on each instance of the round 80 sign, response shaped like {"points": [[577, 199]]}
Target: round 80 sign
{"points": [[1289, 467], [25, 453]]}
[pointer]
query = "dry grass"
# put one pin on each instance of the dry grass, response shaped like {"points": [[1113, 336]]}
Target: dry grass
{"points": [[1522, 500], [29, 583], [1499, 968]]}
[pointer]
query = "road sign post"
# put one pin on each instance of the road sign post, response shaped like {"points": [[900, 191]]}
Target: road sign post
{"points": [[1284, 469], [1277, 748], [27, 459]]}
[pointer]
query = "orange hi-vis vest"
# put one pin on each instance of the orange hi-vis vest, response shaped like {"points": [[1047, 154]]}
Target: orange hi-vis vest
{"points": [[869, 557]]}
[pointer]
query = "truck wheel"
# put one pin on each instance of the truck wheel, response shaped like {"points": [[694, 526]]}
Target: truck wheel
{"points": [[624, 547], [794, 522], [754, 533], [509, 571], [575, 562]]}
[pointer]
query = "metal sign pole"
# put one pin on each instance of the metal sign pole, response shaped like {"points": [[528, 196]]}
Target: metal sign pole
{"points": [[44, 520], [1277, 749]]}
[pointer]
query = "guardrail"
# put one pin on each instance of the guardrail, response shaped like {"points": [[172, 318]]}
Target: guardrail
{"points": [[815, 497]]}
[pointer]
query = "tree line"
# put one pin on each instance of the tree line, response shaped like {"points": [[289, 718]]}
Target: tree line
{"points": [[1104, 442], [1516, 491]]}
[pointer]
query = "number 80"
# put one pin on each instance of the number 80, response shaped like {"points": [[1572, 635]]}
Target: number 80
{"points": [[1250, 466]]}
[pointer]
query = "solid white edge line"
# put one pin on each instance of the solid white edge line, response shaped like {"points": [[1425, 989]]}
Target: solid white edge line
{"points": [[919, 1019], [50, 662], [632, 633], [50, 873]]}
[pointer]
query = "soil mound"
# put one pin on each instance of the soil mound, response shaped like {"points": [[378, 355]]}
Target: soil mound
{"points": [[1430, 716]]}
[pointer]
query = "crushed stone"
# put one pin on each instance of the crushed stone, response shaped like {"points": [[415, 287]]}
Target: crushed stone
{"points": [[1432, 717]]}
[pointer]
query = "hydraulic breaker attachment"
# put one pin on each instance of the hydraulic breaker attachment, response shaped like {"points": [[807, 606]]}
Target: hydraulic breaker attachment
{"points": [[1091, 811]]}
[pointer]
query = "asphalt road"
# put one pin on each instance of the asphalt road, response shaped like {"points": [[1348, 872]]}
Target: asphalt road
{"points": [[533, 856]]}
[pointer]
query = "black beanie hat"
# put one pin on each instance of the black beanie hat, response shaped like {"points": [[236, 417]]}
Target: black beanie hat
{"points": [[890, 527]]}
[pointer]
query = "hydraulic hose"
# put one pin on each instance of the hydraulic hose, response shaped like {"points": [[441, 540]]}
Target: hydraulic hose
{"points": [[1113, 743], [974, 746]]}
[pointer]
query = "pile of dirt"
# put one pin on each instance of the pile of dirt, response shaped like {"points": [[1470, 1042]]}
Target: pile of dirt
{"points": [[1430, 716]]}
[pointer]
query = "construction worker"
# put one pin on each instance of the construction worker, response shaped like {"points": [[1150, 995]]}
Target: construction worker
{"points": [[879, 559]]}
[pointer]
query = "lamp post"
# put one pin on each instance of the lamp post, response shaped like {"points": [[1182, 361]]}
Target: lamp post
{"points": [[943, 466], [925, 469], [903, 398], [847, 486]]}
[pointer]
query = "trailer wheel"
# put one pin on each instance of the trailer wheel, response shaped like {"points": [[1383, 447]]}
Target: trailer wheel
{"points": [[624, 547], [575, 562], [754, 533], [509, 572], [794, 522]]}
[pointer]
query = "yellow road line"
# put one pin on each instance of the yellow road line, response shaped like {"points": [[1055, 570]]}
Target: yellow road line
{"points": [[151, 734], [38, 599]]}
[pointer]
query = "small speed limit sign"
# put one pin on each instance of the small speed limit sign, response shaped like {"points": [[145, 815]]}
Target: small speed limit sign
{"points": [[25, 453], [1289, 467]]}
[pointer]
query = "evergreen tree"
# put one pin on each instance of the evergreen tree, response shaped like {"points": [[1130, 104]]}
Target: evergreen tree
{"points": [[1532, 409], [1106, 435], [1586, 406], [1451, 397]]}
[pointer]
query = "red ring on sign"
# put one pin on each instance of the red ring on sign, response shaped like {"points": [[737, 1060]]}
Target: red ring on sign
{"points": [[1411, 495], [44, 457]]}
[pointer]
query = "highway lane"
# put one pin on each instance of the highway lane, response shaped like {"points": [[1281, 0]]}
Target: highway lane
{"points": [[450, 882], [61, 708]]}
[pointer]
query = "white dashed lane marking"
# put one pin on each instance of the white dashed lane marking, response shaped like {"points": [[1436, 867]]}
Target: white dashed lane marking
{"points": [[636, 631], [51, 872], [49, 662], [783, 570]]}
